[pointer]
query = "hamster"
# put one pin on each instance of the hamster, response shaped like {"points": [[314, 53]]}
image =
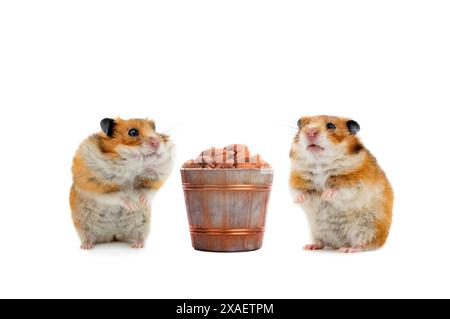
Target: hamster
{"points": [[116, 174], [346, 195]]}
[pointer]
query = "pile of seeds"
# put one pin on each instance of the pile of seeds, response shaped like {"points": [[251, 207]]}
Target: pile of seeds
{"points": [[231, 156]]}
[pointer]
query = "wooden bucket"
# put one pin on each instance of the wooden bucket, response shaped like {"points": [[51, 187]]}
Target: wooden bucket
{"points": [[226, 208]]}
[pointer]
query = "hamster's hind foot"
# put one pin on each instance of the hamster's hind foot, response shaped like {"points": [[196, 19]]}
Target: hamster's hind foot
{"points": [[86, 245], [350, 250], [313, 247], [138, 244]]}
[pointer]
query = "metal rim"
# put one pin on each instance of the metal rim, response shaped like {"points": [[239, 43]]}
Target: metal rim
{"points": [[237, 187], [226, 232]]}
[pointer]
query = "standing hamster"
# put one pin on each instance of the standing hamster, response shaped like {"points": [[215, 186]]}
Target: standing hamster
{"points": [[116, 173], [346, 196]]}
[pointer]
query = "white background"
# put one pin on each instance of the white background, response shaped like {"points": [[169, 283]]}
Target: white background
{"points": [[214, 73]]}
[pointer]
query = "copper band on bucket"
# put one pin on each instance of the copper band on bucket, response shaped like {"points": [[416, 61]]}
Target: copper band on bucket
{"points": [[227, 232], [242, 187]]}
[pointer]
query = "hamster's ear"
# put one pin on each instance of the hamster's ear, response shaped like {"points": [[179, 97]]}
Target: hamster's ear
{"points": [[152, 124], [107, 126], [353, 127], [299, 123]]}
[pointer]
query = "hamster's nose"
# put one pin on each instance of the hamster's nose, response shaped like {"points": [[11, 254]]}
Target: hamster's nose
{"points": [[153, 142], [312, 133]]}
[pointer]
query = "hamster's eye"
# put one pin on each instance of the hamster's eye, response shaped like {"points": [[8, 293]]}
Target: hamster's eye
{"points": [[133, 132], [331, 126]]}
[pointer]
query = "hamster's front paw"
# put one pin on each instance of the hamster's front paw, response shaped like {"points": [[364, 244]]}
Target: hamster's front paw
{"points": [[86, 245], [329, 194], [133, 206], [299, 196], [300, 199]]}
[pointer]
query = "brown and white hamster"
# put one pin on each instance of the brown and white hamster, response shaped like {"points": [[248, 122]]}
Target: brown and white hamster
{"points": [[116, 173], [346, 196]]}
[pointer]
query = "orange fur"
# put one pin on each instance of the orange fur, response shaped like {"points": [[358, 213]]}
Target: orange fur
{"points": [[121, 137], [298, 182], [383, 225], [73, 200], [87, 180], [368, 172]]}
